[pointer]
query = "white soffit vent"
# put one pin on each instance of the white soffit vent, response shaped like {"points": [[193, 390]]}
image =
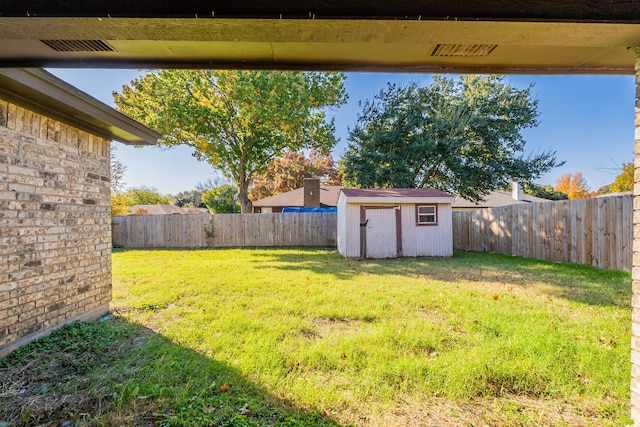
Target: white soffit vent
{"points": [[463, 49], [78, 45]]}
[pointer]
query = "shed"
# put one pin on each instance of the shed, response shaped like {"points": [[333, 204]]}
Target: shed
{"points": [[389, 223]]}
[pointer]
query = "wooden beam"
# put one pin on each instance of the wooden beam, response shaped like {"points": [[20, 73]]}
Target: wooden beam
{"points": [[505, 10]]}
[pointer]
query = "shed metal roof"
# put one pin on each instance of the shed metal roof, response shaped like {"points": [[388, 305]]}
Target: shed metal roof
{"points": [[396, 195]]}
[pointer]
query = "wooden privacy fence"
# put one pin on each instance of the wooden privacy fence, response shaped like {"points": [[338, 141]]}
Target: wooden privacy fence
{"points": [[595, 232], [229, 230]]}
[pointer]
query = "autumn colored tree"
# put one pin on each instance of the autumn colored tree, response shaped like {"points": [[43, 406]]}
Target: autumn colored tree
{"points": [[605, 189], [624, 181], [119, 205], [288, 172], [236, 120], [573, 185]]}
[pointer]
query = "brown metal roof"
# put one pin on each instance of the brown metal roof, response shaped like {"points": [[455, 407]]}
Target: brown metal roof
{"points": [[394, 192], [295, 198]]}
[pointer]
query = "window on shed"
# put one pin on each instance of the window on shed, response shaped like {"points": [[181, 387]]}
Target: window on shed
{"points": [[427, 215]]}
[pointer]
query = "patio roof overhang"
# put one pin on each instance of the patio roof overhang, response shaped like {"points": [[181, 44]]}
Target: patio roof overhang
{"points": [[538, 36], [44, 93]]}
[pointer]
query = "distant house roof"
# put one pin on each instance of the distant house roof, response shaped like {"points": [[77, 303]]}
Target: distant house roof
{"points": [[166, 210], [495, 199], [396, 195], [295, 198], [622, 193], [46, 94]]}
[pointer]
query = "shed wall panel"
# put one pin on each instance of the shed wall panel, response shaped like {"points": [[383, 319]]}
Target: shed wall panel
{"points": [[341, 225], [427, 240]]}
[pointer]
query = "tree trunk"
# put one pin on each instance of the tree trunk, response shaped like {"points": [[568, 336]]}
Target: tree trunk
{"points": [[243, 197], [243, 185]]}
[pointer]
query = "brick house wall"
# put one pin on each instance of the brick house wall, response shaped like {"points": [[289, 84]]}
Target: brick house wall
{"points": [[55, 232]]}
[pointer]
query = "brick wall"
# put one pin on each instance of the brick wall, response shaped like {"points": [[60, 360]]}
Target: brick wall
{"points": [[311, 193], [55, 232]]}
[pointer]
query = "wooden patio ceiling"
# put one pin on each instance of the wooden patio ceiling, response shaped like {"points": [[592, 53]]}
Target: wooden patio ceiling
{"points": [[524, 36]]}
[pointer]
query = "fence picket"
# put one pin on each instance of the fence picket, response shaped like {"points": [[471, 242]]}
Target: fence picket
{"points": [[595, 232], [230, 230]]}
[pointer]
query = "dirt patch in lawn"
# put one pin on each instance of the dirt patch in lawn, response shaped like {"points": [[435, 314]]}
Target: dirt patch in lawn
{"points": [[510, 411], [326, 325]]}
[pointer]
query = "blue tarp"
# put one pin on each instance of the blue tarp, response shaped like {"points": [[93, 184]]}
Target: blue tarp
{"points": [[298, 210]]}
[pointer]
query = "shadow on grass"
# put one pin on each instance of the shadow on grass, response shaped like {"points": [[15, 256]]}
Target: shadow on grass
{"points": [[573, 282], [113, 372]]}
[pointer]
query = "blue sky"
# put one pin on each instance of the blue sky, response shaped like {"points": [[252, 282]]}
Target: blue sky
{"points": [[587, 120]]}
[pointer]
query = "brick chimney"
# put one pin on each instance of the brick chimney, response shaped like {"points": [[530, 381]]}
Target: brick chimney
{"points": [[311, 192], [517, 192]]}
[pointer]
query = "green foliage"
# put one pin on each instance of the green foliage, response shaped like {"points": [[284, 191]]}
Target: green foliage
{"points": [[189, 199], [463, 137], [221, 199], [210, 231], [237, 120], [624, 181], [544, 192], [146, 196]]}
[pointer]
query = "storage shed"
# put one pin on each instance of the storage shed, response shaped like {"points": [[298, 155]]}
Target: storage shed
{"points": [[389, 223]]}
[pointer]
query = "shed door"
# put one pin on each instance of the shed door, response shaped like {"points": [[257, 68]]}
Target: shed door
{"points": [[381, 238]]}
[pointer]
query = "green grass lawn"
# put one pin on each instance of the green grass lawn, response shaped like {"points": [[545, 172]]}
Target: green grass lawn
{"points": [[296, 337]]}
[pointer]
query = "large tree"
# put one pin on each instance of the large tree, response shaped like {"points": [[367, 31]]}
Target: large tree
{"points": [[463, 137], [237, 120], [287, 172]]}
